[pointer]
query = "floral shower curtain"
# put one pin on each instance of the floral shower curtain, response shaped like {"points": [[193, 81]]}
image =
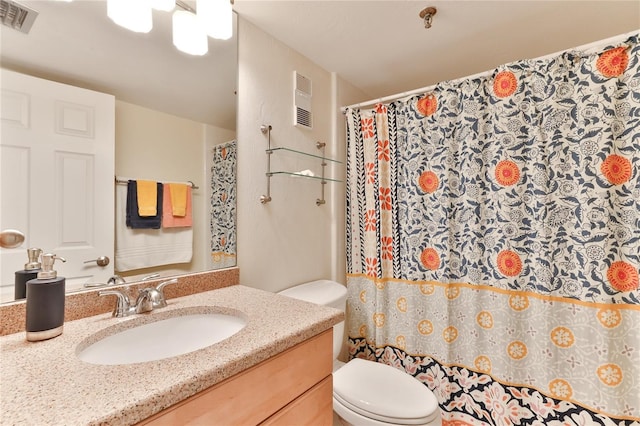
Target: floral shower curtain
{"points": [[493, 248], [223, 205]]}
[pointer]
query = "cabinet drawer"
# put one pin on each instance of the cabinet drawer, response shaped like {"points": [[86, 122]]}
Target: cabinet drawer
{"points": [[252, 396]]}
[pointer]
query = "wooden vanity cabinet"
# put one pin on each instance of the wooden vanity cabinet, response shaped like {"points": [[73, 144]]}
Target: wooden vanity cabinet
{"points": [[291, 388]]}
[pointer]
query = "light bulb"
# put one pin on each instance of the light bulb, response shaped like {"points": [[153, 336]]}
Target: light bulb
{"points": [[188, 35], [216, 16], [132, 15]]}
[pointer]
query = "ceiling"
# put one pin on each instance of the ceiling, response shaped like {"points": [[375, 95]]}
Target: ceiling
{"points": [[383, 48], [380, 47]]}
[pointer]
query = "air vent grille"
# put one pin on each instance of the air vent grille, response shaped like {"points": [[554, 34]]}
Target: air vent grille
{"points": [[303, 84], [302, 115], [17, 16]]}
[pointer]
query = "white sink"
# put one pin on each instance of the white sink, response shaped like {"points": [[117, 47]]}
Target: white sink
{"points": [[162, 339]]}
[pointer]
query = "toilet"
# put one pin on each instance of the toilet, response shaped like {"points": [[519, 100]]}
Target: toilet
{"points": [[368, 392]]}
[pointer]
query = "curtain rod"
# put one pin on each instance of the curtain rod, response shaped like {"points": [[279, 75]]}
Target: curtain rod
{"points": [[583, 48], [124, 181]]}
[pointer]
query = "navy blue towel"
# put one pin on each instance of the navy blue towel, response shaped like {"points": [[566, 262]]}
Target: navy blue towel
{"points": [[134, 220]]}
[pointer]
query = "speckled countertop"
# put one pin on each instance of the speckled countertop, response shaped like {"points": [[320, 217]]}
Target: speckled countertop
{"points": [[44, 383]]}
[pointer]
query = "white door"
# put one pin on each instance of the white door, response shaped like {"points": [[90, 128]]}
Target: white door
{"points": [[57, 150]]}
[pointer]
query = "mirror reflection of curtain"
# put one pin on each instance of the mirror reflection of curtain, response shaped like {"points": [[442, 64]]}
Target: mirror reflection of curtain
{"points": [[223, 205], [494, 240]]}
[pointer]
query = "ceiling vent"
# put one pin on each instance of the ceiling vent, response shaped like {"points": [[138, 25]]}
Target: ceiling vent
{"points": [[17, 16], [302, 116]]}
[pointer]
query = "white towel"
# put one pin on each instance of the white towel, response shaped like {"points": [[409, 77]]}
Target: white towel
{"points": [[144, 248]]}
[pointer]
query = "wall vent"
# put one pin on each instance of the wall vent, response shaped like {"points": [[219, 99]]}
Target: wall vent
{"points": [[17, 16], [302, 116]]}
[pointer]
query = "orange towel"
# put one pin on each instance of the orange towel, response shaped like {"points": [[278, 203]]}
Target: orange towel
{"points": [[168, 219], [178, 199], [147, 198]]}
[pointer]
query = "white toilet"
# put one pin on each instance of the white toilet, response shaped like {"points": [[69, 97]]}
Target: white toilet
{"points": [[368, 392]]}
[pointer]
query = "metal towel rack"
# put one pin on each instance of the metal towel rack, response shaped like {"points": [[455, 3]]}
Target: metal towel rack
{"points": [[123, 181]]}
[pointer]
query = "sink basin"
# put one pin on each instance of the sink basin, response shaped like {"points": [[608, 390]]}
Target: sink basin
{"points": [[162, 339]]}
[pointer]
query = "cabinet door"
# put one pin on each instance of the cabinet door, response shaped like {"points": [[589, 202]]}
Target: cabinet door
{"points": [[254, 395], [57, 150], [313, 408]]}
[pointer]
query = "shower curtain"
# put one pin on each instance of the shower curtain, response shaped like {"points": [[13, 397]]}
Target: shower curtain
{"points": [[493, 240], [223, 205]]}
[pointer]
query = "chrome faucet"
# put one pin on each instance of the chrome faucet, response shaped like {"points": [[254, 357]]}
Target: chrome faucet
{"points": [[115, 280], [149, 299]]}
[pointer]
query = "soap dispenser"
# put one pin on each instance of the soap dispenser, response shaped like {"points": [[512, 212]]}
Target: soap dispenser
{"points": [[45, 302], [30, 272]]}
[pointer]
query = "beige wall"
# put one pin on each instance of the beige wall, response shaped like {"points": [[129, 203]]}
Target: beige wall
{"points": [[157, 146], [289, 240]]}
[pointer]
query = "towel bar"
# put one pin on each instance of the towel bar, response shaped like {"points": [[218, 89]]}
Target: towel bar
{"points": [[123, 181]]}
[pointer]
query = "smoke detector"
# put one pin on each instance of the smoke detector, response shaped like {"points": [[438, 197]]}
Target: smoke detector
{"points": [[17, 16]]}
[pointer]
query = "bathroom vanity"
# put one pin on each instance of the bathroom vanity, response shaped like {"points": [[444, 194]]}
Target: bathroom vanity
{"points": [[276, 370], [292, 388]]}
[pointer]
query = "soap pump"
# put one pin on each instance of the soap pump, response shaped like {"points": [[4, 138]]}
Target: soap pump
{"points": [[30, 272], [45, 302]]}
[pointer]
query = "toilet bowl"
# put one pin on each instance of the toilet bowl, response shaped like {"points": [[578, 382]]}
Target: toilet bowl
{"points": [[368, 392]]}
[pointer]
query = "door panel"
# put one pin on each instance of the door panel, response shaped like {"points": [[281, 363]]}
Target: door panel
{"points": [[57, 152]]}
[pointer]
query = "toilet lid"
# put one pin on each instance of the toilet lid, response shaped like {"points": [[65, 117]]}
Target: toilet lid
{"points": [[384, 393], [321, 292]]}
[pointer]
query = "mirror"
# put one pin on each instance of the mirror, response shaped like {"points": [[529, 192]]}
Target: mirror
{"points": [[153, 83]]}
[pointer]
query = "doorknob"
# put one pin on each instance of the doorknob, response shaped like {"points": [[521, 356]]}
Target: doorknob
{"points": [[101, 261], [11, 238]]}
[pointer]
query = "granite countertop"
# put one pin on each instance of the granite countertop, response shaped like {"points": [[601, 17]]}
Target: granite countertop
{"points": [[44, 383]]}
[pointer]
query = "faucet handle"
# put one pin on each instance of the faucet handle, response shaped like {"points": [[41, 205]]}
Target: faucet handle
{"points": [[94, 285], [160, 287], [150, 277], [123, 305]]}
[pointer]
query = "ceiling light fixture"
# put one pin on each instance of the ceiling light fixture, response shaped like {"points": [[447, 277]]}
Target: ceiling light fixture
{"points": [[188, 36], [427, 15], [190, 27], [216, 18], [132, 15], [164, 5]]}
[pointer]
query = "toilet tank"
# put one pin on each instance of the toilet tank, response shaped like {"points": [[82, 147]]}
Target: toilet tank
{"points": [[326, 293]]}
